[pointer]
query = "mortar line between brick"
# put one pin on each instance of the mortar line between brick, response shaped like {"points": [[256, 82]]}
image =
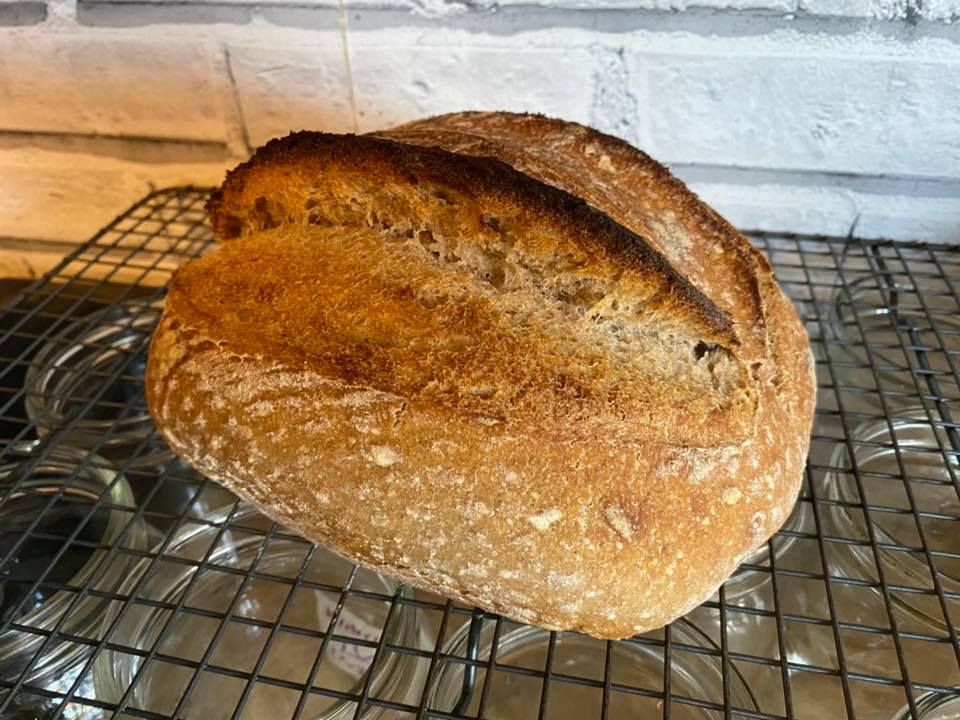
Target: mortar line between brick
{"points": [[142, 150], [347, 65], [27, 244], [18, 132], [237, 103], [875, 183], [511, 19]]}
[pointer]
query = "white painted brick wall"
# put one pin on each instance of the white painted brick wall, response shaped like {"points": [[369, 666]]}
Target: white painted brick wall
{"points": [[396, 84], [81, 84], [785, 114], [21, 12], [49, 196], [832, 210], [805, 110], [295, 88], [910, 10], [282, 89]]}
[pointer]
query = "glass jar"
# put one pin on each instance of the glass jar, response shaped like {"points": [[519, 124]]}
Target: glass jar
{"points": [[888, 459], [182, 492], [893, 323], [925, 467], [212, 585], [67, 491], [746, 580], [95, 367], [517, 682], [932, 706], [751, 630]]}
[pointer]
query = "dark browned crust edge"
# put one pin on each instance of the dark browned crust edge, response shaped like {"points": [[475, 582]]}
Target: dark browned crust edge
{"points": [[692, 206], [387, 160]]}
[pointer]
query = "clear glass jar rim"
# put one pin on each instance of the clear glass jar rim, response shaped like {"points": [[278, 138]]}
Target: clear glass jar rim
{"points": [[682, 630], [391, 672], [77, 466], [51, 362], [927, 704], [846, 299], [854, 558], [744, 581], [848, 336]]}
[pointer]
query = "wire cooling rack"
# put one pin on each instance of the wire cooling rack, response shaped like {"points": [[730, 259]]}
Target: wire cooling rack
{"points": [[165, 596]]}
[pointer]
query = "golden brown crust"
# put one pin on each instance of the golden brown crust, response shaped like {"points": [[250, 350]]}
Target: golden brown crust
{"points": [[248, 202], [625, 184], [612, 532], [355, 307]]}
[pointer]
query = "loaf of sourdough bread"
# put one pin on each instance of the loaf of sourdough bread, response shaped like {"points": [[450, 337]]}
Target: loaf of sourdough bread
{"points": [[502, 357]]}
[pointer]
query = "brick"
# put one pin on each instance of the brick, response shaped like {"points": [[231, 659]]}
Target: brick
{"points": [[251, 3], [910, 218], [906, 10], [125, 12], [22, 13], [845, 8], [284, 89], [831, 211], [440, 8], [26, 259], [110, 13], [292, 13], [786, 6], [396, 84], [836, 112], [63, 196], [78, 84], [945, 10], [666, 5]]}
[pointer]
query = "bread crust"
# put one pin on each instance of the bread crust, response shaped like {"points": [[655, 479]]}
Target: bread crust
{"points": [[628, 186], [246, 203], [606, 528]]}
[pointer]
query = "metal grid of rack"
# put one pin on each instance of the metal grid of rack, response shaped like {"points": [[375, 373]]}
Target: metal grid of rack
{"points": [[132, 587]]}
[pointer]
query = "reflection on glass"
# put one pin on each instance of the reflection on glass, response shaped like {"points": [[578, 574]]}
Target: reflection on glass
{"points": [[62, 510], [576, 686], [251, 578], [89, 379]]}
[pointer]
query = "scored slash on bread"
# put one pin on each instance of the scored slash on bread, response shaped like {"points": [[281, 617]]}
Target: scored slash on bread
{"points": [[534, 245], [503, 357]]}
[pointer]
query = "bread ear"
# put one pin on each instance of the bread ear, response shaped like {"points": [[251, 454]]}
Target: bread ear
{"points": [[347, 180], [626, 185]]}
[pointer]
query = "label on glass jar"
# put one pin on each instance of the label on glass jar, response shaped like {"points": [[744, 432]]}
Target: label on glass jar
{"points": [[351, 657]]}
